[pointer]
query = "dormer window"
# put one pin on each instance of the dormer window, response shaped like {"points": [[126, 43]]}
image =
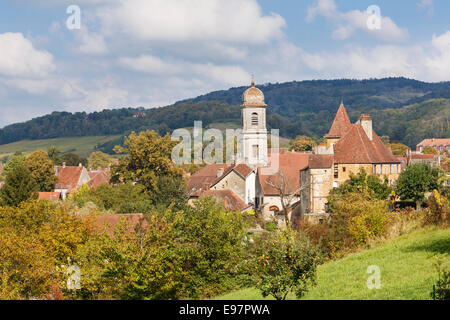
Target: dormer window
{"points": [[254, 119]]}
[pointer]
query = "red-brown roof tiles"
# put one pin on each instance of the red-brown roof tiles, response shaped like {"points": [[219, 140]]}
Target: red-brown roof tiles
{"points": [[109, 222], [49, 196], [290, 165], [341, 123], [68, 177], [321, 161], [205, 177], [98, 178], [230, 200], [243, 169], [355, 147]]}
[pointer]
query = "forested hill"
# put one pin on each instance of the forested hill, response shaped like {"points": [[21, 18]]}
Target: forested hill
{"points": [[404, 109]]}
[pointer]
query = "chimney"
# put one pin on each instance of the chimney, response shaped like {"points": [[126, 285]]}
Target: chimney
{"points": [[64, 164], [365, 121], [219, 173]]}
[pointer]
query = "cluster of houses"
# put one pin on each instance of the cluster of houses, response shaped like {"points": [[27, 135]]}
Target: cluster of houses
{"points": [[274, 180], [71, 178]]}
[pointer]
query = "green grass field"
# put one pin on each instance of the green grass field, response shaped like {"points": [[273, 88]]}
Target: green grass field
{"points": [[83, 146], [407, 271]]}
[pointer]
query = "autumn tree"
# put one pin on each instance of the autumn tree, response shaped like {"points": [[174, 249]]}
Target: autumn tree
{"points": [[99, 159], [19, 186], [302, 143], [148, 158], [42, 170], [429, 150], [398, 149]]}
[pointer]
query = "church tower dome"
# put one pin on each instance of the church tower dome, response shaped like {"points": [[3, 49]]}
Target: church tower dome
{"points": [[253, 97]]}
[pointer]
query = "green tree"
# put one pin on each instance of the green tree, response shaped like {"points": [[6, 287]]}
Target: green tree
{"points": [[72, 159], [415, 181], [370, 185], [42, 170], [148, 157], [55, 155], [284, 263], [99, 159], [12, 163], [19, 186]]}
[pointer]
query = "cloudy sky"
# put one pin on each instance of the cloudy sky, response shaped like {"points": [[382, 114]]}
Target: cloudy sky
{"points": [[154, 52]]}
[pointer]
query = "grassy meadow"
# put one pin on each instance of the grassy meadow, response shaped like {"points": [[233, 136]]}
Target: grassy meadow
{"points": [[406, 263]]}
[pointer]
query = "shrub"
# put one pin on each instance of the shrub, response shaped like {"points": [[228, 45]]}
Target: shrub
{"points": [[284, 262], [441, 290], [438, 211]]}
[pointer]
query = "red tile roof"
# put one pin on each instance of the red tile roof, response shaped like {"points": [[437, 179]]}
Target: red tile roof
{"points": [[49, 196], [434, 142], [321, 161], [98, 178], [68, 177], [290, 165], [230, 200], [355, 147], [109, 222], [202, 179], [243, 169], [341, 123]]}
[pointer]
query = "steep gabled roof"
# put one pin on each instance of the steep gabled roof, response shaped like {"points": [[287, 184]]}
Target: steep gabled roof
{"points": [[243, 169], [356, 147], [341, 123], [205, 177], [68, 177]]}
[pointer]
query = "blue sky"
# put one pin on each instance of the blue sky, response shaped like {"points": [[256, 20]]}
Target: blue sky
{"points": [[154, 52]]}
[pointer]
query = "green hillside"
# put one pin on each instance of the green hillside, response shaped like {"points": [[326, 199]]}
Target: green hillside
{"points": [[398, 106], [406, 264], [83, 146]]}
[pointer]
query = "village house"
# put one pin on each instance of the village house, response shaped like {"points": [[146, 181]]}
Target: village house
{"points": [[348, 149], [70, 178], [440, 145], [272, 181]]}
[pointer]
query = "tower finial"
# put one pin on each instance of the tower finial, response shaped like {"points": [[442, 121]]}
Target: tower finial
{"points": [[253, 80]]}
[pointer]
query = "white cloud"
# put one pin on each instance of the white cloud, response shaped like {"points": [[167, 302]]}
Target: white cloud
{"points": [[427, 5], [348, 23], [20, 59], [191, 20], [225, 74], [90, 43]]}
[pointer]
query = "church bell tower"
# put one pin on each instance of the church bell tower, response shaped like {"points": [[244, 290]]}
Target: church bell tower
{"points": [[254, 130]]}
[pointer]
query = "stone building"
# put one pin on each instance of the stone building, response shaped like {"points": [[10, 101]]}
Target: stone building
{"points": [[348, 149]]}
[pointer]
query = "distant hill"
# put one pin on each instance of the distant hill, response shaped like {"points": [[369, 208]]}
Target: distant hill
{"points": [[406, 110]]}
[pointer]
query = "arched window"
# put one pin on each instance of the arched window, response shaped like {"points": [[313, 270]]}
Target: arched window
{"points": [[254, 119]]}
